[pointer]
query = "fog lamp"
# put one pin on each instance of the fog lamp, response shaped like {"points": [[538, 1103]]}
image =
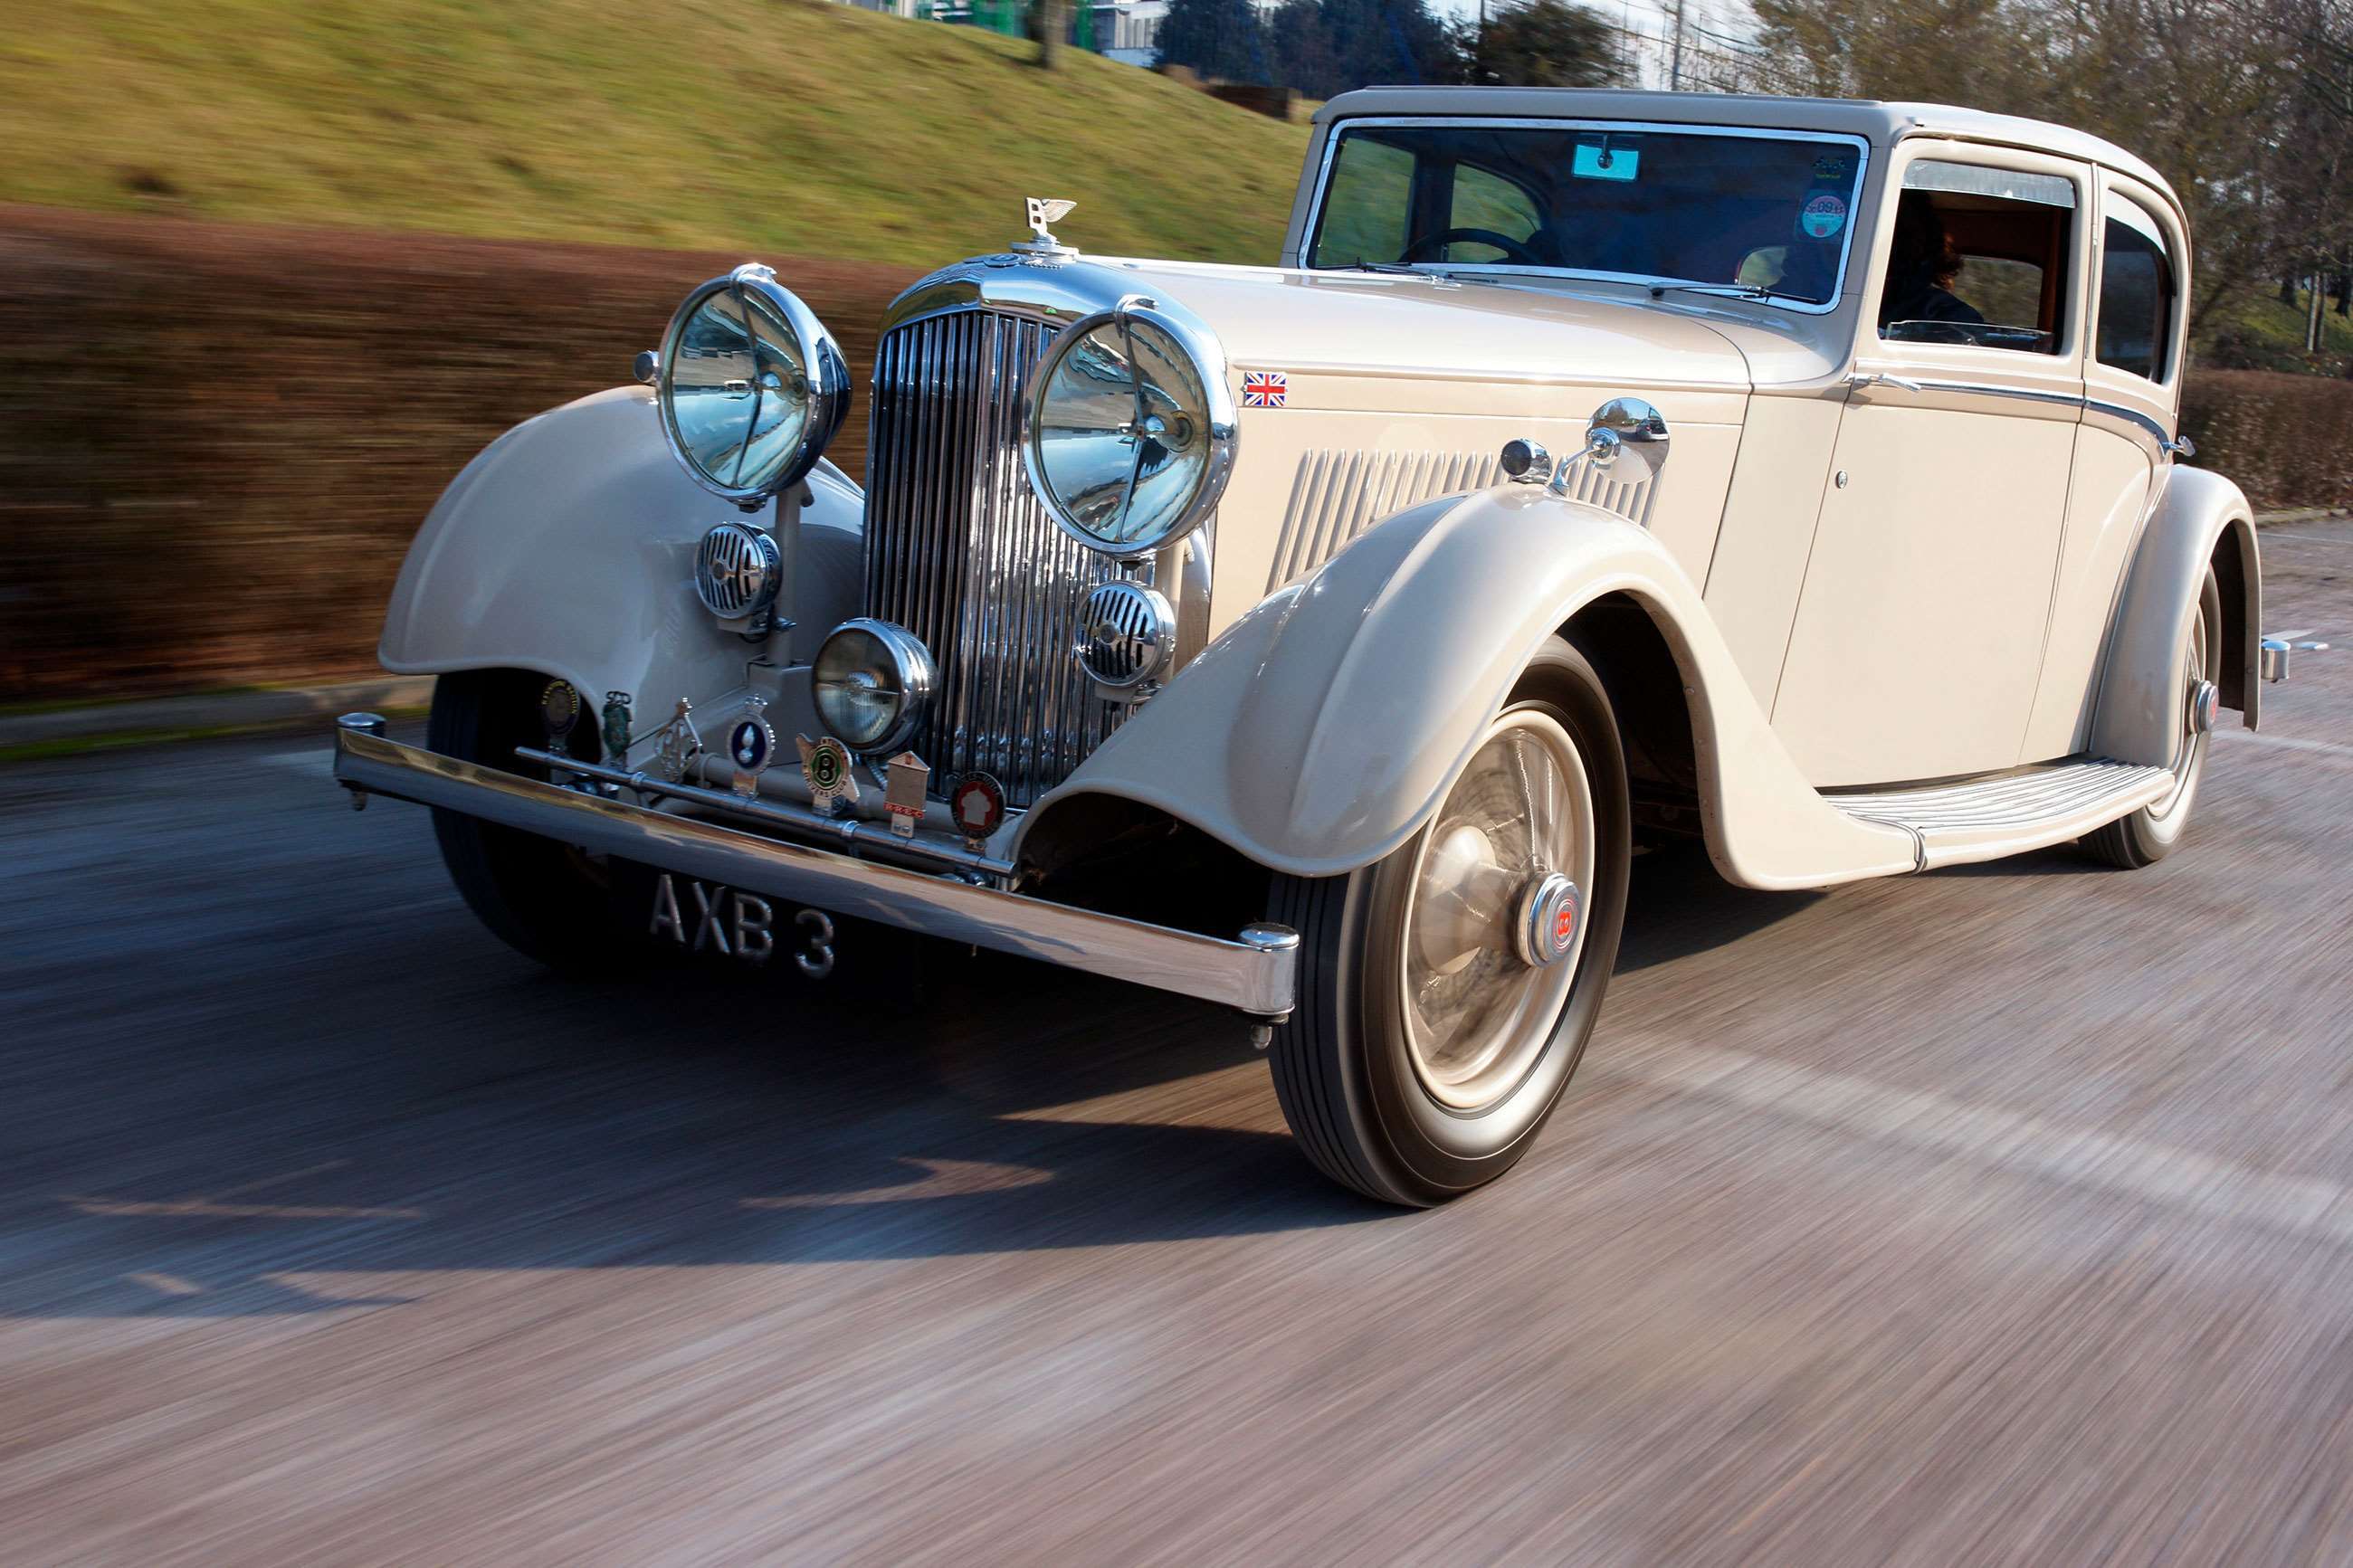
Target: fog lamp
{"points": [[871, 682]]}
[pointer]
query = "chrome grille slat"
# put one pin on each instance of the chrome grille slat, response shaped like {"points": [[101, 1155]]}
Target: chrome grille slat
{"points": [[959, 552]]}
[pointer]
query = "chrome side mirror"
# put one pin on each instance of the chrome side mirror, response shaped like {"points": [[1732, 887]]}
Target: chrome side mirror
{"points": [[1627, 440]]}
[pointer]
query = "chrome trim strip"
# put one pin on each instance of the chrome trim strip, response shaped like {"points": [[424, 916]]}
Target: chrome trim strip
{"points": [[1339, 128], [2133, 416], [1051, 293], [1259, 977], [1982, 389]]}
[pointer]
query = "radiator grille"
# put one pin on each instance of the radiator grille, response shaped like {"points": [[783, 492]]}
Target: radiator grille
{"points": [[959, 553]]}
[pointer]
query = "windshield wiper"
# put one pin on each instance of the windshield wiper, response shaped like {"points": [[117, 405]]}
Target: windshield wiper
{"points": [[1730, 291], [1405, 268]]}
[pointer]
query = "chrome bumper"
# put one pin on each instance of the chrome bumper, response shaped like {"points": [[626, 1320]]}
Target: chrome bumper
{"points": [[1257, 973]]}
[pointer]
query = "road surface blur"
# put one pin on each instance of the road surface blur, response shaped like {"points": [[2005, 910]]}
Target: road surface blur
{"points": [[2000, 1214]]}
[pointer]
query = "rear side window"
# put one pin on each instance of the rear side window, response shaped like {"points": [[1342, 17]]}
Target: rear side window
{"points": [[2137, 292]]}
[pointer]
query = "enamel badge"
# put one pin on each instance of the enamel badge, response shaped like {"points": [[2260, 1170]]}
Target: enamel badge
{"points": [[617, 728], [826, 765], [679, 744], [559, 709], [979, 804], [903, 795], [752, 746]]}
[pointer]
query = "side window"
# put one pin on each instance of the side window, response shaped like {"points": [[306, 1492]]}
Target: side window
{"points": [[1979, 257], [1487, 201], [1365, 208], [2136, 292]]}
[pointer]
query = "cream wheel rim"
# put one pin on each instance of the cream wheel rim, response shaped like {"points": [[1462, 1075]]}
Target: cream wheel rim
{"points": [[1477, 1012]]}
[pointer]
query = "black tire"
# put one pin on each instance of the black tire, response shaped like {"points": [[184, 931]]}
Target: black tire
{"points": [[547, 901], [1342, 1066], [2149, 833]]}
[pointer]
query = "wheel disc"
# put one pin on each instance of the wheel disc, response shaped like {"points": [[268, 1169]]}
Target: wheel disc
{"points": [[1477, 1012], [2191, 755]]}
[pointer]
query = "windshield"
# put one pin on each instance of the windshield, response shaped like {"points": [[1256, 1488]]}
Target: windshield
{"points": [[1759, 210]]}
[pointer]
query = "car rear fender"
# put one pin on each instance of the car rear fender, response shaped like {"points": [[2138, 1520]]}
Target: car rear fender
{"points": [[2202, 520], [1325, 726], [567, 546]]}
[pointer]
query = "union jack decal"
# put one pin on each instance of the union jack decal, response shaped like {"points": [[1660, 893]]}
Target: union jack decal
{"points": [[1264, 388]]}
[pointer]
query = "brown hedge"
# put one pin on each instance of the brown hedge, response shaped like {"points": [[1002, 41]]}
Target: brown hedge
{"points": [[216, 441], [2287, 440]]}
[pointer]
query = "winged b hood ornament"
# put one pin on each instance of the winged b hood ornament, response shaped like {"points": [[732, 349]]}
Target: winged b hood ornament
{"points": [[1043, 211]]}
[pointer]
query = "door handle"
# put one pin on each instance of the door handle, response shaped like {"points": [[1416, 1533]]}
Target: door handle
{"points": [[1863, 378]]}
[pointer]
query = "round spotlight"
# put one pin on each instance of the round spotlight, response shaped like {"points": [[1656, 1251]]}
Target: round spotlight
{"points": [[871, 682], [1130, 428], [750, 386]]}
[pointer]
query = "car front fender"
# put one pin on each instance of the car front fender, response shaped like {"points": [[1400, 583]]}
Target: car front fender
{"points": [[2201, 518], [567, 547], [1325, 726]]}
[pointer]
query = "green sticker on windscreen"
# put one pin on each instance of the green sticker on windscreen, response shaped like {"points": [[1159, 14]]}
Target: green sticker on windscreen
{"points": [[1600, 160]]}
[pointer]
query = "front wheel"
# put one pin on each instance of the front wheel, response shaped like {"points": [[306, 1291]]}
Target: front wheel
{"points": [[1447, 990], [547, 901]]}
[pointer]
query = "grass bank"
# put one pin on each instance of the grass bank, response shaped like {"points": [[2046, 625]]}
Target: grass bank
{"points": [[790, 126]]}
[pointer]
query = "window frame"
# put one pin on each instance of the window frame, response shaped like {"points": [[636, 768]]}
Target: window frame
{"points": [[1312, 233]]}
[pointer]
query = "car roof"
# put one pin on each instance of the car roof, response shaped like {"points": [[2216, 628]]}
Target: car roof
{"points": [[1880, 123]]}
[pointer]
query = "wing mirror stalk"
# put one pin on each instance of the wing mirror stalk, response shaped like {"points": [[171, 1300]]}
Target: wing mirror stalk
{"points": [[1626, 441]]}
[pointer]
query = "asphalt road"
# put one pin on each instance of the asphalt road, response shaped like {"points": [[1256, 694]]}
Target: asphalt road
{"points": [[2001, 1214]]}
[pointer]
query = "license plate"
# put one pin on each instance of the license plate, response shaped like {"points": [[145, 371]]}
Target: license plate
{"points": [[742, 925]]}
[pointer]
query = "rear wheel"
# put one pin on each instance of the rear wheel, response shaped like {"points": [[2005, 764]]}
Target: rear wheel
{"points": [[1447, 990], [547, 901], [2149, 833]]}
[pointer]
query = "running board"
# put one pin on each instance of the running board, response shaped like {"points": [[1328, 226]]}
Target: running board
{"points": [[1984, 819]]}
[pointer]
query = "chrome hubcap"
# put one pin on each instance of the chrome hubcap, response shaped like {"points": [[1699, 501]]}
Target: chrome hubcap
{"points": [[1495, 921], [2205, 697]]}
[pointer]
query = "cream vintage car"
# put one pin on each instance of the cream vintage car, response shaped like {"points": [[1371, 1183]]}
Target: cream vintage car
{"points": [[1321, 639]]}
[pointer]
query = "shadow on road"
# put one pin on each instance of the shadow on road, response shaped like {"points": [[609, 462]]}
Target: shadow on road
{"points": [[397, 1096], [512, 1121], [1680, 904]]}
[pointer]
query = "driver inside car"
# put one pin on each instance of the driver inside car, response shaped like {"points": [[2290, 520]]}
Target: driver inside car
{"points": [[1920, 268]]}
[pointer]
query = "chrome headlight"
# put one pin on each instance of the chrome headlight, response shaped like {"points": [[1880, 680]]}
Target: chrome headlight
{"points": [[871, 682], [1129, 433], [750, 386]]}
